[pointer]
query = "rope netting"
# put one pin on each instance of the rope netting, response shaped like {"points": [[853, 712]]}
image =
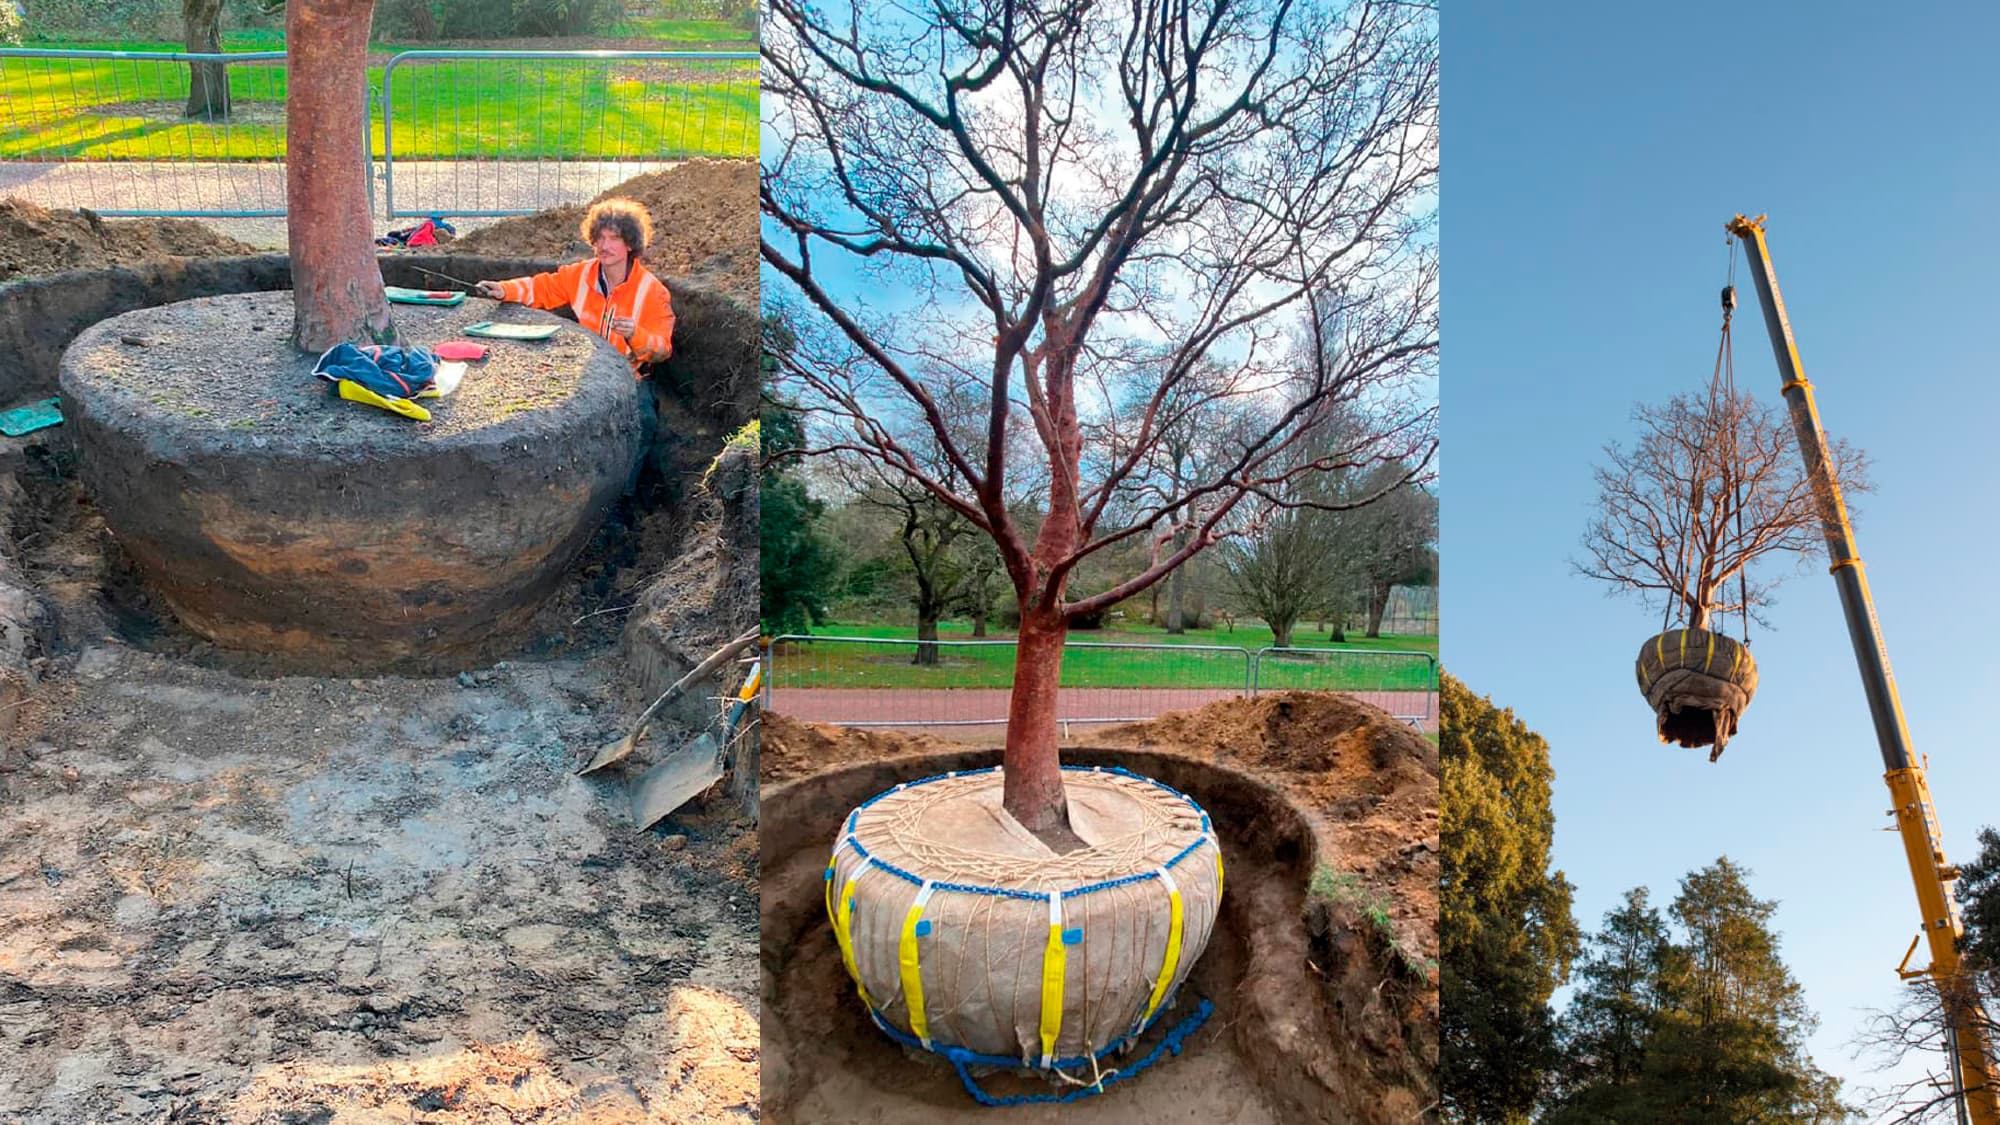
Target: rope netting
{"points": [[967, 936]]}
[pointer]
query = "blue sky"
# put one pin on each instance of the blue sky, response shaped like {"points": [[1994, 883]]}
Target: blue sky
{"points": [[1592, 153]]}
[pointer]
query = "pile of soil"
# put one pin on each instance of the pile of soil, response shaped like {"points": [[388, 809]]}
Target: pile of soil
{"points": [[704, 226], [35, 240], [1373, 780], [1348, 929]]}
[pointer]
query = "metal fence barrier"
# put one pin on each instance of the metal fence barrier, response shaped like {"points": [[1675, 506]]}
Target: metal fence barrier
{"points": [[601, 118], [458, 133], [108, 130], [878, 682]]}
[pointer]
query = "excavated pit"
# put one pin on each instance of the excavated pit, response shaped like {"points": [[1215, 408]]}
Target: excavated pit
{"points": [[83, 555], [274, 517], [1291, 976]]}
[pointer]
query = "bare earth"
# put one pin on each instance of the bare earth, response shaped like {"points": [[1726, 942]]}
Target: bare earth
{"points": [[232, 897], [247, 900]]}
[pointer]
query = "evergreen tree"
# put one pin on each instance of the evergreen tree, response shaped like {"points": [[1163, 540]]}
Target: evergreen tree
{"points": [[1606, 1030], [1506, 935], [1706, 1030], [1979, 897], [797, 565]]}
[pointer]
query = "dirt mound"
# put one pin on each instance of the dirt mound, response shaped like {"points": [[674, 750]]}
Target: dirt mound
{"points": [[704, 225], [1332, 749], [1372, 778], [35, 240]]}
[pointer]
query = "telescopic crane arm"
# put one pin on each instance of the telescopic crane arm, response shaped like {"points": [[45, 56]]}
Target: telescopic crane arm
{"points": [[1916, 817]]}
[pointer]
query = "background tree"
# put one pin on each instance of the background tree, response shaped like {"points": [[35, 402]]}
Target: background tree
{"points": [[1713, 484], [336, 284], [1506, 937], [1611, 1018], [1289, 570], [1722, 1022], [1919, 1027], [931, 535], [1085, 196], [797, 566], [1394, 540], [208, 82]]}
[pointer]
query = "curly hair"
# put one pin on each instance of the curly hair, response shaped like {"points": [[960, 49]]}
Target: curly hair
{"points": [[626, 217]]}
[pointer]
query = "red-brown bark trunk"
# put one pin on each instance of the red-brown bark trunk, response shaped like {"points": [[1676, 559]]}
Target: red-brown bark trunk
{"points": [[336, 284], [1034, 792]]}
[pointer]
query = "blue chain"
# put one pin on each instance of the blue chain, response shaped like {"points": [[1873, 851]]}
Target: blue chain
{"points": [[959, 1057]]}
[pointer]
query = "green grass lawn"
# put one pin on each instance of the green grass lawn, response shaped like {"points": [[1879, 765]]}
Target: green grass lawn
{"points": [[103, 109], [834, 664]]}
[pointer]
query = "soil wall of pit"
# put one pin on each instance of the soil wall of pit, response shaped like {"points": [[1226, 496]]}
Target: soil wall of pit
{"points": [[1289, 978]]}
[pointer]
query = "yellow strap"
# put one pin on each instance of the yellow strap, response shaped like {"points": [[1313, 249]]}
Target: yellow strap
{"points": [[1736, 663], [1681, 660], [1660, 649], [843, 932], [1217, 844], [1711, 652], [1172, 960], [1054, 960], [913, 974]]}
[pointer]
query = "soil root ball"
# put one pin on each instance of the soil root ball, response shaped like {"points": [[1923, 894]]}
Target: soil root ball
{"points": [[964, 931], [1698, 683], [273, 518]]}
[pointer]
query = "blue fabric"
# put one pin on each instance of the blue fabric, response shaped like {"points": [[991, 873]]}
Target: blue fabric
{"points": [[391, 372]]}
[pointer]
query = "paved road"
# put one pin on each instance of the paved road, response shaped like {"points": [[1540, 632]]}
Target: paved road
{"points": [[987, 707]]}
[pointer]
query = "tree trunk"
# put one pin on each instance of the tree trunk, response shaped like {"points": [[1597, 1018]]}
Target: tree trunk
{"points": [[927, 623], [1378, 604], [208, 82], [979, 622], [1176, 587], [336, 285], [1033, 791], [1281, 632]]}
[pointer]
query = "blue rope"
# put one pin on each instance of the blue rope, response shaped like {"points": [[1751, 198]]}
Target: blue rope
{"points": [[1173, 1042]]}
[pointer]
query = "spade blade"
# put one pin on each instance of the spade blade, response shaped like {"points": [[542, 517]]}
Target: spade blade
{"points": [[675, 781]]}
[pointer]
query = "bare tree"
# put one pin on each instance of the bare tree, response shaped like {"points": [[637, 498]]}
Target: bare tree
{"points": [[1921, 1028], [1065, 199], [1288, 570], [1713, 484], [930, 533], [336, 285], [1395, 542]]}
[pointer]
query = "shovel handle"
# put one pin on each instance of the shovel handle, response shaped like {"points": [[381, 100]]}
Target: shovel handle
{"points": [[701, 672]]}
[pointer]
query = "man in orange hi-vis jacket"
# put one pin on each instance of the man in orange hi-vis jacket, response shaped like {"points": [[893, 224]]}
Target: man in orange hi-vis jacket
{"points": [[611, 293]]}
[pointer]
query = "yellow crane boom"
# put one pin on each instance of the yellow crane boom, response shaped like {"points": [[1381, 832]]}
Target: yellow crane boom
{"points": [[1973, 1063]]}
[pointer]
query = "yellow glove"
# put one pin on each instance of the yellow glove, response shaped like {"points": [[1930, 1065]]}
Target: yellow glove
{"points": [[355, 392]]}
